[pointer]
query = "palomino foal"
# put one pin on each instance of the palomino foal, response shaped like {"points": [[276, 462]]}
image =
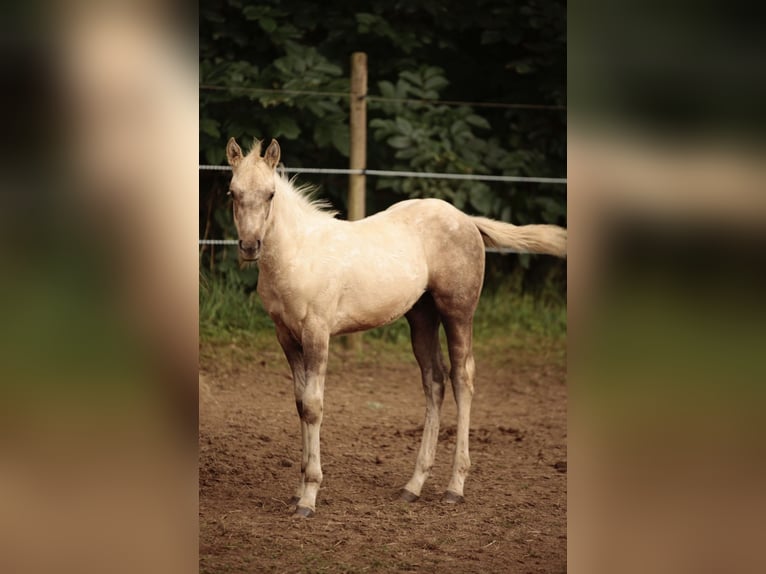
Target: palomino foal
{"points": [[320, 276]]}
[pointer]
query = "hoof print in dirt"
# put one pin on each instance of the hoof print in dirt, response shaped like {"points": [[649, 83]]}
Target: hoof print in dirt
{"points": [[303, 512], [452, 498], [407, 496]]}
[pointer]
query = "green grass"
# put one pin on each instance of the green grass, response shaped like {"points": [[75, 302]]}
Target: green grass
{"points": [[504, 316], [227, 312]]}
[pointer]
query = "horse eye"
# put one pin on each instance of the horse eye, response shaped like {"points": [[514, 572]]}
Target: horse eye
{"points": [[271, 196]]}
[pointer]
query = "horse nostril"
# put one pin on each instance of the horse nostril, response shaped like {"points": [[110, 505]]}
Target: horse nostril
{"points": [[250, 246]]}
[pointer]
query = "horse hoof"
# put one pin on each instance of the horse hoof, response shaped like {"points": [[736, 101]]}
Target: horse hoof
{"points": [[452, 498], [303, 512], [407, 496], [294, 500]]}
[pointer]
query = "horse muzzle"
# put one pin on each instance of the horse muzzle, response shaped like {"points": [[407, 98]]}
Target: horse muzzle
{"points": [[250, 250]]}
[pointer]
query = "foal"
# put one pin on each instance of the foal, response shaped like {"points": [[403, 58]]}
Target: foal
{"points": [[320, 276]]}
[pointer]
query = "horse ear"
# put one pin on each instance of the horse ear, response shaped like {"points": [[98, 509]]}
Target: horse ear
{"points": [[233, 152], [272, 154]]}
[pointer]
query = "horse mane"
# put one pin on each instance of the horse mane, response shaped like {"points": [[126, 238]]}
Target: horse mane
{"points": [[256, 149], [303, 196]]}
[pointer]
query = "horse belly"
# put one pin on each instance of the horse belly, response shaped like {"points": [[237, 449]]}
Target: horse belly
{"points": [[379, 298]]}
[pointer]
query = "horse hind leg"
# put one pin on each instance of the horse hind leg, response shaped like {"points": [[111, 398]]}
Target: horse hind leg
{"points": [[462, 372], [424, 329]]}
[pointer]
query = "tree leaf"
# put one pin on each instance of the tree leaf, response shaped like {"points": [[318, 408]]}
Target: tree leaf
{"points": [[268, 24], [387, 89], [435, 83], [481, 199], [340, 139], [284, 126], [478, 121], [412, 77], [404, 126], [398, 142]]}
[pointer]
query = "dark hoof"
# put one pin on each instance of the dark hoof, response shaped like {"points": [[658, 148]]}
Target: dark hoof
{"points": [[303, 512], [452, 498], [294, 500], [407, 496]]}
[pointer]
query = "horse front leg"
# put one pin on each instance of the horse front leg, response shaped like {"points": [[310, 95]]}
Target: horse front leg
{"points": [[294, 353], [315, 348]]}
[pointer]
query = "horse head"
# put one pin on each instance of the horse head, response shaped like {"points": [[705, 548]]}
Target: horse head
{"points": [[252, 191]]}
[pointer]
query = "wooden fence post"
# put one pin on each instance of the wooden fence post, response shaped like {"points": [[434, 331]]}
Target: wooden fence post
{"points": [[357, 153], [358, 134]]}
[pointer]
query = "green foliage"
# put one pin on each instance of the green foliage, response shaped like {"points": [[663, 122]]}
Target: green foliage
{"points": [[259, 46], [444, 138], [426, 137]]}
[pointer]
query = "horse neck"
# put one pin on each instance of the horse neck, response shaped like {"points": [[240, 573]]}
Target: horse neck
{"points": [[289, 221]]}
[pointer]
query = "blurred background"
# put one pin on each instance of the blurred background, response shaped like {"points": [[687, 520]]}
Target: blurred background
{"points": [[667, 215], [98, 287]]}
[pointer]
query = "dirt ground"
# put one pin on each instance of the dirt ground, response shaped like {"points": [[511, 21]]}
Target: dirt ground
{"points": [[514, 516]]}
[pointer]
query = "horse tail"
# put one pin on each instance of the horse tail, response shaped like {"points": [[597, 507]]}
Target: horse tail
{"points": [[550, 239]]}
